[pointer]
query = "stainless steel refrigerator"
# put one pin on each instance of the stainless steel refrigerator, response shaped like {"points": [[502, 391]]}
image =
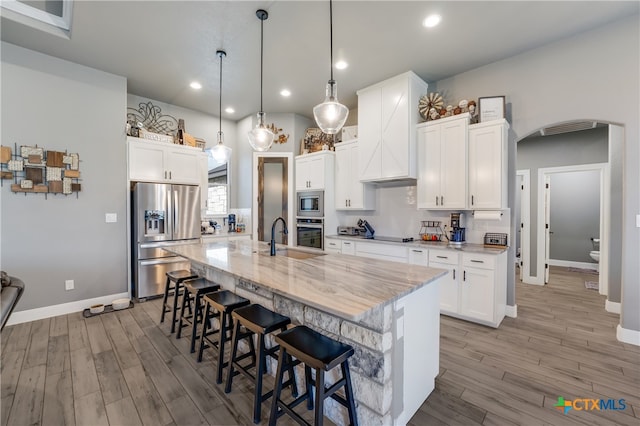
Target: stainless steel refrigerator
{"points": [[162, 215]]}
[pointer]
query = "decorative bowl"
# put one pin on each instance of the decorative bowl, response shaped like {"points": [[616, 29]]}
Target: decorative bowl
{"points": [[120, 304], [96, 309]]}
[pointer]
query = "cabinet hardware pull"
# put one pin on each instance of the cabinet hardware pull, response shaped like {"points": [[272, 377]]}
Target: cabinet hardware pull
{"points": [[464, 275], [436, 200], [472, 200], [169, 174], [454, 274], [442, 257], [442, 200], [165, 174], [477, 261], [417, 251]]}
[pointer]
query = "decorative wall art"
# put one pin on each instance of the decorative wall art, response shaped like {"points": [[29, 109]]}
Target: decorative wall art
{"points": [[432, 107], [36, 170], [150, 117], [315, 140], [280, 138]]}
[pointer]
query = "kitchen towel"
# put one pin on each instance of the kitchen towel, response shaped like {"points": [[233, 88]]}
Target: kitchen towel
{"points": [[487, 215]]}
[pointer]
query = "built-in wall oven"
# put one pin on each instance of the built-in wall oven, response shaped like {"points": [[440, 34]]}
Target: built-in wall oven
{"points": [[310, 232], [310, 204]]}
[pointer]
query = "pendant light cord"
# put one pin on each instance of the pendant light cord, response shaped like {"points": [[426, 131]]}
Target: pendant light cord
{"points": [[221, 55], [261, 58], [331, 35]]}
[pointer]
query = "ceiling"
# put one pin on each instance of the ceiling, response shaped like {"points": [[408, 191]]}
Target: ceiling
{"points": [[161, 46]]}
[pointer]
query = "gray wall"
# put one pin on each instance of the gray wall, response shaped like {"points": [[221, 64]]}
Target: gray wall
{"points": [[63, 106], [567, 149], [590, 76], [575, 215]]}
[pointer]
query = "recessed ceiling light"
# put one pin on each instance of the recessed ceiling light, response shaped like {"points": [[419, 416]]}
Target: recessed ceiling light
{"points": [[341, 65], [285, 92], [195, 85], [230, 110], [431, 21]]}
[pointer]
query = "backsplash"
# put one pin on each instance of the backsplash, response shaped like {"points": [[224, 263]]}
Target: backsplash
{"points": [[396, 215]]}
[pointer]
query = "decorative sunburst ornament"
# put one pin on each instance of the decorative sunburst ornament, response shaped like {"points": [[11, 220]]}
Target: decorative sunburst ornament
{"points": [[428, 101]]}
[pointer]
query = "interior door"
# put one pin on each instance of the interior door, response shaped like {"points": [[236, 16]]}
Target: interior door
{"points": [[547, 221]]}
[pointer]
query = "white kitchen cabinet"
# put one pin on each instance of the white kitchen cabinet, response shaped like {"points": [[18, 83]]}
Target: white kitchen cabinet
{"points": [[313, 169], [449, 284], [419, 256], [387, 116], [348, 247], [488, 165], [442, 163], [475, 290], [381, 251], [167, 163], [332, 246], [351, 194]]}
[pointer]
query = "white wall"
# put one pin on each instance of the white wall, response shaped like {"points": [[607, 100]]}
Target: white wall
{"points": [[591, 76], [64, 106]]}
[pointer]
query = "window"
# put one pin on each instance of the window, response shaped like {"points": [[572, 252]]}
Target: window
{"points": [[218, 191], [53, 16]]}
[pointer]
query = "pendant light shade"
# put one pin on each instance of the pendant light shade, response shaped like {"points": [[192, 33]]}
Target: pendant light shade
{"points": [[260, 137], [221, 153], [331, 115]]}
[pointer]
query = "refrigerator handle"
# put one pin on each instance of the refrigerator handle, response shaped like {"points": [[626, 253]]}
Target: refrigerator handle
{"points": [[175, 211]]}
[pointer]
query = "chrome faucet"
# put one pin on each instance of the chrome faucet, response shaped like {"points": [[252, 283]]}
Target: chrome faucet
{"points": [[273, 232]]}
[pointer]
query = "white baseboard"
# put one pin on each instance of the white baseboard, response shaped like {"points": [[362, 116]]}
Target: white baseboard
{"points": [[512, 311], [613, 307], [625, 335], [572, 264], [62, 309]]}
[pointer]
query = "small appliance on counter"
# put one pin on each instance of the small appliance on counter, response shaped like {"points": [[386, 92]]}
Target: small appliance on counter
{"points": [[457, 230], [495, 240], [348, 230], [231, 220], [369, 231]]}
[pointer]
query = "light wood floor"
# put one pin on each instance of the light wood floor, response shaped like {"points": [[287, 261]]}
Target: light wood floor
{"points": [[125, 368]]}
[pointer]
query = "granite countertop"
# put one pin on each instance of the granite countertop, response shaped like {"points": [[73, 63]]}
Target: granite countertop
{"points": [[440, 245], [223, 234], [346, 286]]}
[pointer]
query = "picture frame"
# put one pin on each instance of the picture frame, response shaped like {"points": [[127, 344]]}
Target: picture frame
{"points": [[491, 108], [314, 140]]}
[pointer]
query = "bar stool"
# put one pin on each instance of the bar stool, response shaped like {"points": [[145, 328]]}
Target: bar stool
{"points": [[193, 292], [322, 354], [176, 278], [224, 302], [258, 320]]}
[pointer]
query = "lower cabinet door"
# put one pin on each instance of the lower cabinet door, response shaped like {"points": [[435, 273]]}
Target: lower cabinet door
{"points": [[448, 288], [477, 297]]}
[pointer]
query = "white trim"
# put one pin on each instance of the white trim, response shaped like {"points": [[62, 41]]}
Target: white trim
{"points": [[572, 264], [613, 307], [39, 19], [62, 309], [525, 218], [625, 335], [291, 188], [603, 168], [511, 311]]}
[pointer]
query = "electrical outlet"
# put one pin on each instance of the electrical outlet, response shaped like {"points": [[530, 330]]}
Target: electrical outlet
{"points": [[68, 285], [638, 221], [111, 217]]}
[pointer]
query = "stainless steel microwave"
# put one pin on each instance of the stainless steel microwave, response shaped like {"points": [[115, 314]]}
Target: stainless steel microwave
{"points": [[310, 204]]}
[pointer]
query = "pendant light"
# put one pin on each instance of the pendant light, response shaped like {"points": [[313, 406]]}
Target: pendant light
{"points": [[331, 114], [261, 138], [221, 153]]}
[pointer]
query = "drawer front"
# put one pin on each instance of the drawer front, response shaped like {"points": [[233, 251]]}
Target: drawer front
{"points": [[348, 247], [332, 244], [480, 261], [443, 256], [419, 256], [381, 249]]}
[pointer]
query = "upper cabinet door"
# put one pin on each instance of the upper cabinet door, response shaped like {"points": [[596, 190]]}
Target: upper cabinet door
{"points": [[167, 163], [453, 165], [395, 129], [146, 161], [310, 173], [370, 133], [183, 166], [488, 165], [429, 167]]}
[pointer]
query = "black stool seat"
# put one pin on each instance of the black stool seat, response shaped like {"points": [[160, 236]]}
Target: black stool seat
{"points": [[313, 348], [322, 354], [176, 278], [219, 304], [258, 320], [193, 291]]}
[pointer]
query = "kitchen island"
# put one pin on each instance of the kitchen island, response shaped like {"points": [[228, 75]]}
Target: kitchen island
{"points": [[388, 311]]}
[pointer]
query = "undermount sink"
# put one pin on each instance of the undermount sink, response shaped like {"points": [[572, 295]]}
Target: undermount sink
{"points": [[293, 254]]}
